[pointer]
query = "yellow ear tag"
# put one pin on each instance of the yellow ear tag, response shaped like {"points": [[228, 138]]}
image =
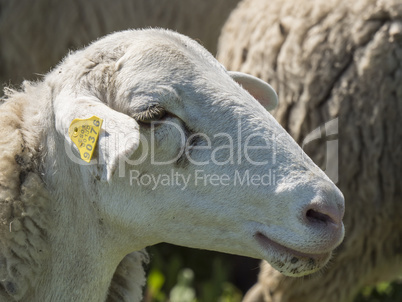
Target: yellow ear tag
{"points": [[84, 133]]}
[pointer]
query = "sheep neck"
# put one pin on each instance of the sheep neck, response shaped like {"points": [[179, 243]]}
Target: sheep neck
{"points": [[84, 252], [81, 265]]}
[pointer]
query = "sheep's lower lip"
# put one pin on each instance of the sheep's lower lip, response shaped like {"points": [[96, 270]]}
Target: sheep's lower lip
{"points": [[269, 244]]}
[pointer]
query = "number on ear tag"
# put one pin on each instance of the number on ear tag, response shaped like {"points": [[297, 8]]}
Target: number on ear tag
{"points": [[84, 133]]}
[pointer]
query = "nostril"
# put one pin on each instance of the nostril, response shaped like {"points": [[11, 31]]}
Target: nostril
{"points": [[317, 217]]}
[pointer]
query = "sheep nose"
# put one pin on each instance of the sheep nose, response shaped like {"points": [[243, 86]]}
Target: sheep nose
{"points": [[325, 220], [323, 214]]}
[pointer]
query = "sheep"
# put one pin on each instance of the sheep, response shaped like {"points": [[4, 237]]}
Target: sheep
{"points": [[150, 104], [36, 35], [332, 60]]}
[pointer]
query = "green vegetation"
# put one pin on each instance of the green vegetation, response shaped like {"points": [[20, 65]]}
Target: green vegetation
{"points": [[383, 292], [178, 274]]}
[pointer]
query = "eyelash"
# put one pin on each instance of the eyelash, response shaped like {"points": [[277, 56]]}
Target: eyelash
{"points": [[151, 114]]}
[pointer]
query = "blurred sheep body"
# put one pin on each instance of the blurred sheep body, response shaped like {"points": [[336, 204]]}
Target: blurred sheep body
{"points": [[333, 59], [36, 35]]}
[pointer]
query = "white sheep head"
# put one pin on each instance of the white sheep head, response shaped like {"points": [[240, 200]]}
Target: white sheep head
{"points": [[171, 112]]}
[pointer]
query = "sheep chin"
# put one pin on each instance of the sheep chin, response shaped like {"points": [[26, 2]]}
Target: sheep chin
{"points": [[291, 262]]}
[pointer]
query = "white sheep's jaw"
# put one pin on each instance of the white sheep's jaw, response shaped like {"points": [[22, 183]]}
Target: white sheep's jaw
{"points": [[300, 263], [294, 259]]}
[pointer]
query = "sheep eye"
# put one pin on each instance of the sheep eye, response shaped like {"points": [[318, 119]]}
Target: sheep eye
{"points": [[153, 113]]}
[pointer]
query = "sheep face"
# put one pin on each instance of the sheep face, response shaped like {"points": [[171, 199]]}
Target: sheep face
{"points": [[188, 156]]}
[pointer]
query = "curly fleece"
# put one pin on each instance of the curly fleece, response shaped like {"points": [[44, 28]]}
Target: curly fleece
{"points": [[24, 214], [332, 59]]}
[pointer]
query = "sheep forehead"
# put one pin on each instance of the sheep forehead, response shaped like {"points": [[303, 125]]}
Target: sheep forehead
{"points": [[151, 52], [146, 48], [176, 43], [178, 62], [156, 59], [165, 50]]}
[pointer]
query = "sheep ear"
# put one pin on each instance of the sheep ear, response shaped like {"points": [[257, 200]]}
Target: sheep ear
{"points": [[118, 136], [260, 90]]}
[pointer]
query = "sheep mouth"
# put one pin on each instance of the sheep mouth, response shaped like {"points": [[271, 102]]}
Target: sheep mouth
{"points": [[316, 261]]}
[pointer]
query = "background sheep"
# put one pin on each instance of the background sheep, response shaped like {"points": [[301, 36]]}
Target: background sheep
{"points": [[35, 35], [330, 59], [66, 226]]}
